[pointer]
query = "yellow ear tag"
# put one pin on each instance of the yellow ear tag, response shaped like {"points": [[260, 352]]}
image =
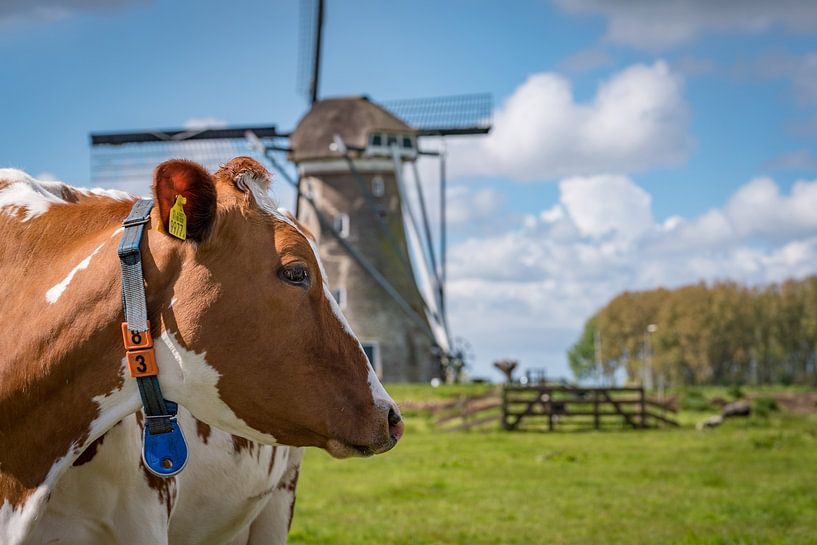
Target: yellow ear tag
{"points": [[178, 221]]}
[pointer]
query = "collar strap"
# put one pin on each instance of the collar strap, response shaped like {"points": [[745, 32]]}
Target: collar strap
{"points": [[130, 257], [163, 449]]}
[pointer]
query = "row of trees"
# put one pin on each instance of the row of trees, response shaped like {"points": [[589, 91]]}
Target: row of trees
{"points": [[722, 333]]}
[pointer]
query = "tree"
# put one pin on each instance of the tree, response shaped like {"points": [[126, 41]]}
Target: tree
{"points": [[507, 368], [582, 355]]}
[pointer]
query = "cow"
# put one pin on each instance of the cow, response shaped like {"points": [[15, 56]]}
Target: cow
{"points": [[247, 336]]}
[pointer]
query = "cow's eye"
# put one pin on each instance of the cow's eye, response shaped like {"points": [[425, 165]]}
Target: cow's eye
{"points": [[296, 273]]}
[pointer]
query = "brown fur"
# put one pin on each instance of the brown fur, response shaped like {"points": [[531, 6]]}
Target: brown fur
{"points": [[47, 349], [202, 430], [272, 460], [89, 453], [240, 444], [164, 486]]}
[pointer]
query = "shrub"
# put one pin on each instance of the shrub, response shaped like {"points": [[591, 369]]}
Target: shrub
{"points": [[735, 392], [694, 400], [764, 406]]}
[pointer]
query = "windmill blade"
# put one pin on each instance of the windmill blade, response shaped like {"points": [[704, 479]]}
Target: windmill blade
{"points": [[309, 49], [425, 274], [126, 160], [448, 115]]}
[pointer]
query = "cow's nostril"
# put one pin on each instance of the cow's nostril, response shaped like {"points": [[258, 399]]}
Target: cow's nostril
{"points": [[394, 417], [396, 426]]}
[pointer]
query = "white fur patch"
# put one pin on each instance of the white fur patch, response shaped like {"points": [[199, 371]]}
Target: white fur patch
{"points": [[15, 524], [25, 193], [54, 293], [115, 194], [187, 378], [115, 405], [35, 197]]}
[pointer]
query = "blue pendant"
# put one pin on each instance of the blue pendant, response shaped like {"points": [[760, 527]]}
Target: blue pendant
{"points": [[164, 454]]}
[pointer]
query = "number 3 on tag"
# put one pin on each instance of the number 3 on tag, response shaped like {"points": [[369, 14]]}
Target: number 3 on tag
{"points": [[142, 363]]}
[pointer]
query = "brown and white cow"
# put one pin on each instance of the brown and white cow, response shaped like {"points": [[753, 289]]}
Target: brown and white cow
{"points": [[247, 336]]}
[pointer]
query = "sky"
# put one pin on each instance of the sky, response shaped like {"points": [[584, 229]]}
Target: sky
{"points": [[635, 143]]}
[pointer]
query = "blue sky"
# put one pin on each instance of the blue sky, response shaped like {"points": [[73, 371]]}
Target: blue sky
{"points": [[683, 148]]}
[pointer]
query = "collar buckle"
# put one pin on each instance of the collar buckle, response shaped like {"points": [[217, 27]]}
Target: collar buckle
{"points": [[133, 222]]}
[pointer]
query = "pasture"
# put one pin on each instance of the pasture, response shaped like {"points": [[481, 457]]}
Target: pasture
{"points": [[751, 481]]}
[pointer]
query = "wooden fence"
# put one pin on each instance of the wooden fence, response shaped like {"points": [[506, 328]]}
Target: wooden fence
{"points": [[470, 412], [545, 407]]}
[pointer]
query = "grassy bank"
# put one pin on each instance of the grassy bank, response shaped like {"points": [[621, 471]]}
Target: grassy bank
{"points": [[750, 481]]}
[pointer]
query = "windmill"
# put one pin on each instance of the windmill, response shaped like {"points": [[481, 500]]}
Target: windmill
{"points": [[352, 162]]}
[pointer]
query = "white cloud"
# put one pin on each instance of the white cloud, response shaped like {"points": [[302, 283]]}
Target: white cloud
{"points": [[758, 209], [525, 292], [800, 71], [794, 160], [654, 25], [201, 123], [466, 205], [637, 120], [46, 176], [53, 10], [586, 60], [599, 205]]}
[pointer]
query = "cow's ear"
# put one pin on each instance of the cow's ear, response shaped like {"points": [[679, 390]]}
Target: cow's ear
{"points": [[190, 181], [248, 176]]}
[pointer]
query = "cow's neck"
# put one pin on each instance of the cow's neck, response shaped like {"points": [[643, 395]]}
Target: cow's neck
{"points": [[68, 382]]}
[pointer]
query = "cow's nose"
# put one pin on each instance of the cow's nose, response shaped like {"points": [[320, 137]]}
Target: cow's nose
{"points": [[396, 425]]}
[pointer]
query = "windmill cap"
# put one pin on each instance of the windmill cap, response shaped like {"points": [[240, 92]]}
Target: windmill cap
{"points": [[353, 118]]}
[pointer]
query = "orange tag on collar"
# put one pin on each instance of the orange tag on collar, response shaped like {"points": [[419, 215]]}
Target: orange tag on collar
{"points": [[136, 340], [142, 363]]}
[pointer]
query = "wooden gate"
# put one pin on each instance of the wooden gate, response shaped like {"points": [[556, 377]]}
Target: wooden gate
{"points": [[545, 407]]}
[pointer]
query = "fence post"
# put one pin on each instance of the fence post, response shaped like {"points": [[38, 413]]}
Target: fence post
{"points": [[596, 423], [505, 425], [642, 408], [549, 406]]}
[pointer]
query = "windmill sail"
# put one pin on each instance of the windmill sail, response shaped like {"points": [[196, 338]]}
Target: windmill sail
{"points": [[446, 115], [309, 49], [126, 160]]}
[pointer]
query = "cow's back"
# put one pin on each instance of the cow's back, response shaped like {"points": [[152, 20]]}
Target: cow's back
{"points": [[57, 252]]}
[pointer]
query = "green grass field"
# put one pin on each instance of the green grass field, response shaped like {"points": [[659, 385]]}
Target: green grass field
{"points": [[748, 482]]}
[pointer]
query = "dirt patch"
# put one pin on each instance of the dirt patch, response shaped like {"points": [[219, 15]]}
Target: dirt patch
{"points": [[796, 402]]}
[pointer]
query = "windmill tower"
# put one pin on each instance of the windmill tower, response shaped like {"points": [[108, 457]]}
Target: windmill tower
{"points": [[350, 156], [363, 198]]}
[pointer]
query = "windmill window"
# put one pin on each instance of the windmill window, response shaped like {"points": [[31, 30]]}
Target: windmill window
{"points": [[407, 143], [340, 296], [341, 224], [372, 350], [378, 187], [391, 140], [377, 139]]}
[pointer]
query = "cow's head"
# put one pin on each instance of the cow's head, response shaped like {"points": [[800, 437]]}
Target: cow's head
{"points": [[258, 344]]}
